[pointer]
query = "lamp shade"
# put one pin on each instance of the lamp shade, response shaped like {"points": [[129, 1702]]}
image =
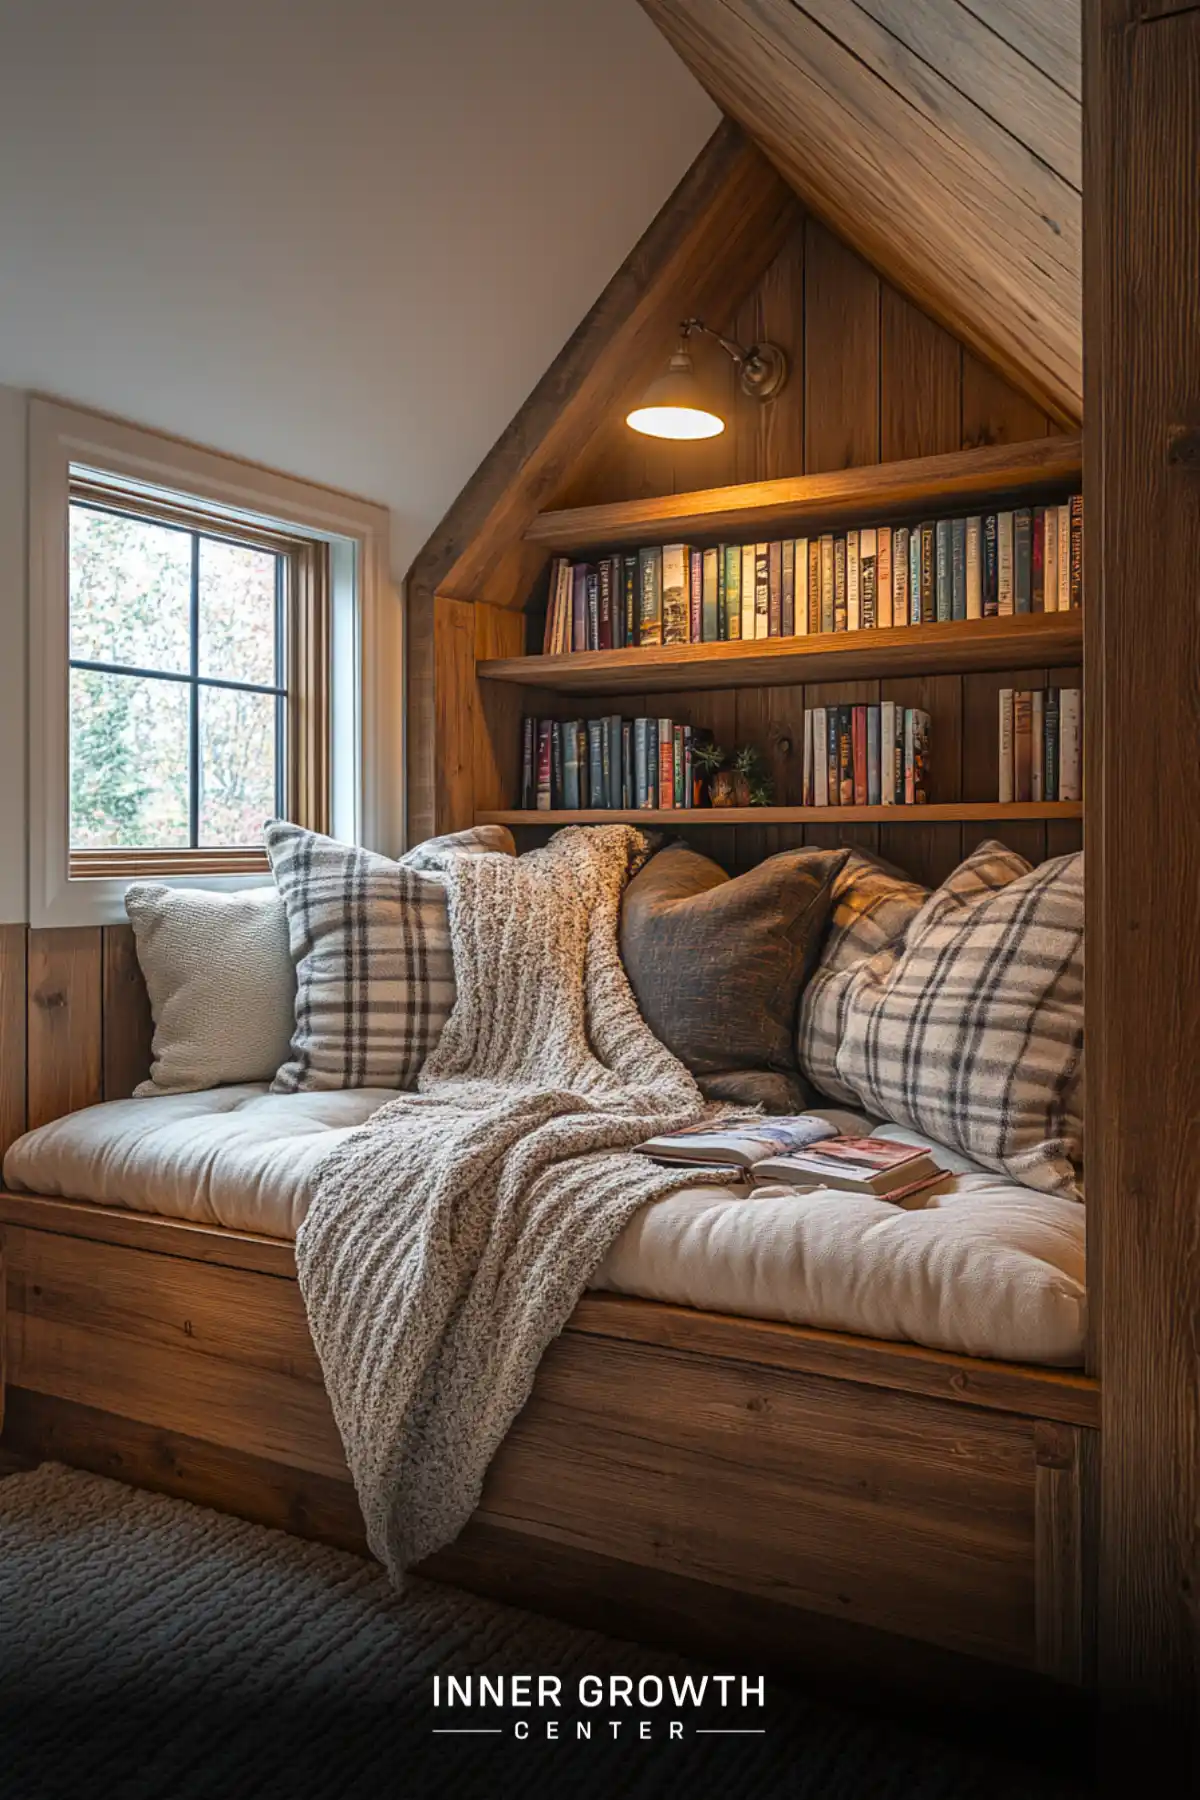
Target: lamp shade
{"points": [[674, 406]]}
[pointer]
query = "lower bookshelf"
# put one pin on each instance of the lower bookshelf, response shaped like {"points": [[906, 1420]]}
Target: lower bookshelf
{"points": [[957, 811]]}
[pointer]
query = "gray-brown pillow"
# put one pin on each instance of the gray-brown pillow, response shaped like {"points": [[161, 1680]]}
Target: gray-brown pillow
{"points": [[718, 965]]}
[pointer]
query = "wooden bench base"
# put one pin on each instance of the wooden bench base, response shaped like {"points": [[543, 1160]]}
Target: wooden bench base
{"points": [[801, 1490]]}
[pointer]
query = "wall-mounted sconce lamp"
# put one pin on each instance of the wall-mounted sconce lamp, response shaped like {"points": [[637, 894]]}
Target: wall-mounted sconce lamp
{"points": [[675, 406]]}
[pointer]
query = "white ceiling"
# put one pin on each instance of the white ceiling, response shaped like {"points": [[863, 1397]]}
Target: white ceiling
{"points": [[336, 236]]}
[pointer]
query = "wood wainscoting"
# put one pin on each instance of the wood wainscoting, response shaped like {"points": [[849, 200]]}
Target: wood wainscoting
{"points": [[873, 1502]]}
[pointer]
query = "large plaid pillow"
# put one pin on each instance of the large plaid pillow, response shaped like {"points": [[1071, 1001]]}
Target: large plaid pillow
{"points": [[873, 905], [370, 939], [972, 1031]]}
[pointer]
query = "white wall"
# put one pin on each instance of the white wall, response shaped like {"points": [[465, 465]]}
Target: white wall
{"points": [[341, 237]]}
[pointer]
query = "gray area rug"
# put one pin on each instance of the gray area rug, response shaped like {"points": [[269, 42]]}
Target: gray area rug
{"points": [[153, 1648]]}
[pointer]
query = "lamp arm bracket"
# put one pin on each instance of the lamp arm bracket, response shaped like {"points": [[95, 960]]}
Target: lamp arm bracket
{"points": [[729, 345]]}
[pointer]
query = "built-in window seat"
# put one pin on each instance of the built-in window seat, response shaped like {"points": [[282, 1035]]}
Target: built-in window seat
{"points": [[983, 1267]]}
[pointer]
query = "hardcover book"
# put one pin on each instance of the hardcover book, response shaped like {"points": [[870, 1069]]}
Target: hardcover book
{"points": [[676, 588], [528, 767], [891, 769], [762, 590], [604, 629], [1004, 562], [874, 758], [915, 564], [1038, 596], [774, 589], [629, 572], [677, 770], [733, 592], [722, 599], [597, 757], [820, 757], [883, 576], [1064, 558], [1022, 745], [593, 609], [832, 738], [853, 601], [828, 583], [570, 765], [1051, 753], [1037, 756], [814, 585], [579, 634], [544, 755], [845, 741], [787, 621], [1005, 747], [945, 571], [839, 584], [900, 613], [974, 560], [749, 564], [801, 563], [958, 569], [666, 765], [650, 584], [868, 609], [1023, 560], [806, 789], [581, 758], [696, 595], [1050, 559], [641, 764], [627, 800], [1076, 589], [858, 748], [991, 566], [1070, 739], [916, 756], [929, 607], [708, 611]]}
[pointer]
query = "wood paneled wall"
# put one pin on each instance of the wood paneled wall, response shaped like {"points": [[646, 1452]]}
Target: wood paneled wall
{"points": [[873, 379], [75, 1023]]}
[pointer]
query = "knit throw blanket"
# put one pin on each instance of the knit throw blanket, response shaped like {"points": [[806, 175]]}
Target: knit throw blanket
{"points": [[450, 1237]]}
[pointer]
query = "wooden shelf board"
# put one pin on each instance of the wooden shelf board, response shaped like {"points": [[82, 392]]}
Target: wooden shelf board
{"points": [[964, 811], [877, 491], [1023, 640]]}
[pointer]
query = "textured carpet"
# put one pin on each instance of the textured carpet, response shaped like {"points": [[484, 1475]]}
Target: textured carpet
{"points": [[152, 1648]]}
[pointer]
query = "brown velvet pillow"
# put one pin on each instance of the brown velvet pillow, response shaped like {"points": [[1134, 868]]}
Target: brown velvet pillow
{"points": [[718, 965]]}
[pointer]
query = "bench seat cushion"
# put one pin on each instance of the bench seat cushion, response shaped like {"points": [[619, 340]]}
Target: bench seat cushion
{"points": [[983, 1267]]}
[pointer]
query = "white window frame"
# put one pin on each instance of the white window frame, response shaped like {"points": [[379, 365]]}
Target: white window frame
{"points": [[367, 630]]}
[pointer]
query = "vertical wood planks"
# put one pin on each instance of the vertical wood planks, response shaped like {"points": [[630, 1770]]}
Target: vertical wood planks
{"points": [[920, 382], [64, 1022], [1059, 1551], [454, 713], [126, 1023], [13, 1005], [993, 412], [841, 355]]}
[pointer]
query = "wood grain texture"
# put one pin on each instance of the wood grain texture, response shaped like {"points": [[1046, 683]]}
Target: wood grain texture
{"points": [[146, 1231], [877, 139], [13, 1013], [881, 490], [920, 382], [1142, 677], [900, 817], [841, 392], [127, 1025], [65, 1015], [1059, 1563], [454, 713]]}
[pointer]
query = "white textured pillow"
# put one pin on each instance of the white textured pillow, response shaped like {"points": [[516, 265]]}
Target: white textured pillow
{"points": [[221, 982]]}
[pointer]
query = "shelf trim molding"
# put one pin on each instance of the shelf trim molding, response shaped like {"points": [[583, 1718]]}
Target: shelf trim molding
{"points": [[875, 491], [953, 812]]}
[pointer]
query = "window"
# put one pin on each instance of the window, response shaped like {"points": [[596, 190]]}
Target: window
{"points": [[210, 643], [198, 699]]}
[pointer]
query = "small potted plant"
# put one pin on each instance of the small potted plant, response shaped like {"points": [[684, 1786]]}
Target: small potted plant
{"points": [[750, 778], [708, 769]]}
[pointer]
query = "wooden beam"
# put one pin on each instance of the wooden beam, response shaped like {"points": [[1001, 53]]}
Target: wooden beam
{"points": [[1142, 676], [961, 195], [715, 236]]}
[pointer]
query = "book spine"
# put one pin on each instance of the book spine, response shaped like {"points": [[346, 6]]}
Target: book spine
{"points": [[666, 765], [845, 729], [1022, 745], [762, 590], [579, 576], [650, 584], [787, 622], [1070, 739], [613, 774], [593, 609], [652, 764], [1037, 749], [544, 755], [677, 787], [627, 764], [910, 786], [1076, 588], [696, 595], [900, 575], [1004, 792], [551, 607], [1050, 558], [676, 564], [806, 791], [1038, 594], [722, 599], [1004, 563], [868, 585], [840, 618], [629, 569], [689, 768], [749, 628], [991, 566], [570, 764], [920, 757], [606, 764], [887, 753], [828, 583], [775, 590], [831, 740], [853, 583], [914, 576], [1064, 558], [1023, 560], [733, 592], [709, 597], [874, 757], [898, 755], [958, 569], [597, 792], [581, 753], [945, 570], [974, 559], [801, 565], [820, 757], [883, 577], [641, 764], [814, 586], [616, 565], [604, 628], [528, 783], [858, 748], [1050, 759], [928, 573]]}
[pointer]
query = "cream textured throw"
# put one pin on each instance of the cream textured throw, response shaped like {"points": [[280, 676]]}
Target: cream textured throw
{"points": [[450, 1238]]}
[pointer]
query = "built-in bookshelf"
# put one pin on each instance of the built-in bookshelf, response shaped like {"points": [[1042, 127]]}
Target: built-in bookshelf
{"points": [[958, 812]]}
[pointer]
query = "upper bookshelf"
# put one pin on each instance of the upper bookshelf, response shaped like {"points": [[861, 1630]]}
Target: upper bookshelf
{"points": [[1017, 641], [876, 493]]}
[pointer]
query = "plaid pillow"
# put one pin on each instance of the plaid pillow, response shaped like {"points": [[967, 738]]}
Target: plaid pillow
{"points": [[973, 1030], [374, 972], [873, 906]]}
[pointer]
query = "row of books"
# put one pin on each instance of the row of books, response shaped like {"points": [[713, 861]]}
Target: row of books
{"points": [[866, 755], [1026, 560], [611, 763], [1041, 744]]}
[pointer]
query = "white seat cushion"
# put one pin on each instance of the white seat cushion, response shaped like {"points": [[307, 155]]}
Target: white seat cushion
{"points": [[983, 1266]]}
